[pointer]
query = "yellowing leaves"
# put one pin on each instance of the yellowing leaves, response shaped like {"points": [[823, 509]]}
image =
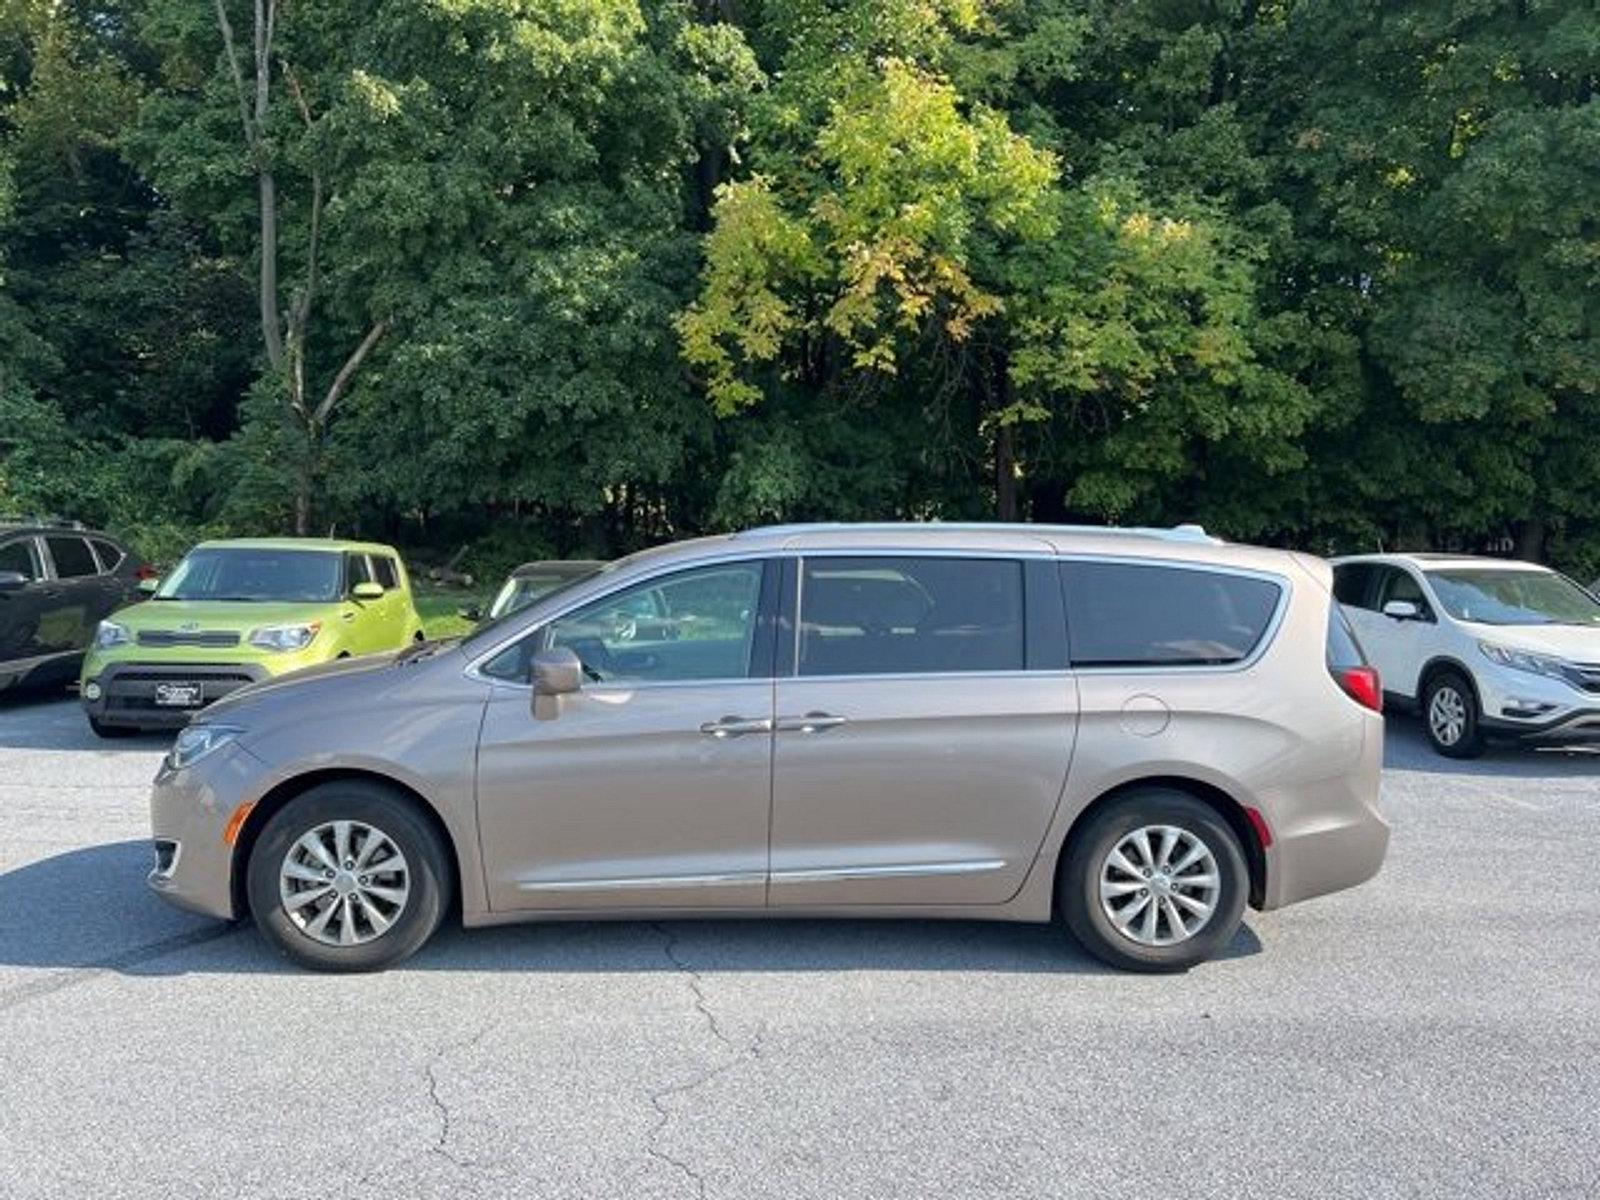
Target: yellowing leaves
{"points": [[875, 239]]}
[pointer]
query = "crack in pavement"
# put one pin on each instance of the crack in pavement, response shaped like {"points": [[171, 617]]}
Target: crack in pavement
{"points": [[658, 1097], [441, 1146]]}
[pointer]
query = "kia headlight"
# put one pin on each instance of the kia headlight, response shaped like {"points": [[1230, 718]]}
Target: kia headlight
{"points": [[285, 638], [1524, 660], [197, 741], [111, 634]]}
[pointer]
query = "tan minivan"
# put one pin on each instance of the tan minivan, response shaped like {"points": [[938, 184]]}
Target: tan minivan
{"points": [[1137, 731]]}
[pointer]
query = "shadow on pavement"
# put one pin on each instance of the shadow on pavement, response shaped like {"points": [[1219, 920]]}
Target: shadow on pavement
{"points": [[88, 910], [1407, 749], [51, 719]]}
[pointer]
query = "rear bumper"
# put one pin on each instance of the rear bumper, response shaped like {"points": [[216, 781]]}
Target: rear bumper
{"points": [[128, 691], [1331, 836]]}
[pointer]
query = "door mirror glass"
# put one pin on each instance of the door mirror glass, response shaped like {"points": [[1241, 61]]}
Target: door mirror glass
{"points": [[149, 586], [11, 581], [367, 591], [1402, 610], [556, 671]]}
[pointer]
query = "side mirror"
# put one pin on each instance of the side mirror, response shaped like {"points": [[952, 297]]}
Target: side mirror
{"points": [[556, 671], [149, 586], [1402, 610], [12, 581], [472, 613], [367, 591]]}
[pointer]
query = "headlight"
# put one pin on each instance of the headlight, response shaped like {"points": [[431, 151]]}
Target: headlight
{"points": [[285, 637], [197, 741], [111, 634], [1524, 660]]}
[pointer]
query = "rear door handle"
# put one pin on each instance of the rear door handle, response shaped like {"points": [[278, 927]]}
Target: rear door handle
{"points": [[812, 722], [727, 727]]}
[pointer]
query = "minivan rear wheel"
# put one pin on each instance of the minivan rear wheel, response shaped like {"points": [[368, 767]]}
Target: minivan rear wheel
{"points": [[1156, 881], [347, 877]]}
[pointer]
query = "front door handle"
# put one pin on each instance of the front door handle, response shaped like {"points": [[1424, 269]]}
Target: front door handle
{"points": [[812, 722], [727, 727]]}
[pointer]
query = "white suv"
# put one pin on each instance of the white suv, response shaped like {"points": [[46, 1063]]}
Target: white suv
{"points": [[1482, 646]]}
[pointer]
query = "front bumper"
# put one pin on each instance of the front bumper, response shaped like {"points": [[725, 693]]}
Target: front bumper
{"points": [[190, 813], [128, 690], [1522, 706]]}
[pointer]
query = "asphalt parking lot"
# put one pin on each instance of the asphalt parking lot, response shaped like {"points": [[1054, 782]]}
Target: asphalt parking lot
{"points": [[1433, 1034]]}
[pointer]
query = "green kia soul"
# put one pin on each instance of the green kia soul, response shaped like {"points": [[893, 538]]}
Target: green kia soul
{"points": [[234, 612]]}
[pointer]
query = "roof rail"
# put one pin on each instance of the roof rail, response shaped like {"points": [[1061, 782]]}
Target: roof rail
{"points": [[40, 519], [1187, 532]]}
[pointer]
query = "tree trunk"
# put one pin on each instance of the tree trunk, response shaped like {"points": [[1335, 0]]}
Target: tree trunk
{"points": [[1530, 539], [1005, 474]]}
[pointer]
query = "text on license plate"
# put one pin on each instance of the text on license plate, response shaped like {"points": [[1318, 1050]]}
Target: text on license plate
{"points": [[178, 695]]}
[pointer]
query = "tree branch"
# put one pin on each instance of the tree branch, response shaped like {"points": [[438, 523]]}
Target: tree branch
{"points": [[341, 381], [238, 74]]}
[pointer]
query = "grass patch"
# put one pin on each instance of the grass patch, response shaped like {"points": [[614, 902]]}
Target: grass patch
{"points": [[440, 608]]}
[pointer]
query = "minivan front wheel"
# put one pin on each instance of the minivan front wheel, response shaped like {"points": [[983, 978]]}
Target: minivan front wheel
{"points": [[1155, 882], [1450, 716], [347, 877]]}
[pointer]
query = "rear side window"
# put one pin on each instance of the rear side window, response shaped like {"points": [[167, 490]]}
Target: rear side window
{"points": [[109, 553], [388, 576], [1139, 615], [1344, 652], [18, 557], [891, 616], [72, 557], [1352, 582]]}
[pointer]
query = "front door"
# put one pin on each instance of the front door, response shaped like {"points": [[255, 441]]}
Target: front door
{"points": [[1397, 646], [22, 638], [921, 747], [650, 786]]}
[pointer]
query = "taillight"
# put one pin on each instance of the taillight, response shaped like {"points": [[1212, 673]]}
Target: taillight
{"points": [[1363, 686], [145, 571]]}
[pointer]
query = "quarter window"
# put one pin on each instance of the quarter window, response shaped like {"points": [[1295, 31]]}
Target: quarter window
{"points": [[1138, 615], [16, 556], [72, 556], [109, 553], [892, 616]]}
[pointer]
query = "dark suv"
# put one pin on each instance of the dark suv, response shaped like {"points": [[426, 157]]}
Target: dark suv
{"points": [[58, 580]]}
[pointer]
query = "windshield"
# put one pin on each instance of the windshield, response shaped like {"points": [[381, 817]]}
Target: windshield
{"points": [[1502, 597], [237, 573], [522, 590], [498, 616]]}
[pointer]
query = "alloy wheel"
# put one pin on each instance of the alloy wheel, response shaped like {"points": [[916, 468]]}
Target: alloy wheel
{"points": [[1160, 885], [1447, 715], [344, 883]]}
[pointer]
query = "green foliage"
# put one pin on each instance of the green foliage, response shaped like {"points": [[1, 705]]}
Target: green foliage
{"points": [[1321, 272]]}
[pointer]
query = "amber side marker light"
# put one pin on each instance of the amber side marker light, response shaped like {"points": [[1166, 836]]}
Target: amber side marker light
{"points": [[230, 833]]}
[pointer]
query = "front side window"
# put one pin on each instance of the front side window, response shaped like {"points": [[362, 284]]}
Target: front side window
{"points": [[910, 615], [1401, 585], [72, 556], [1139, 615], [249, 574], [357, 570], [388, 575], [694, 624], [1507, 596], [18, 557]]}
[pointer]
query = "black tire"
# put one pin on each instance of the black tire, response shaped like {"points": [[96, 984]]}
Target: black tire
{"points": [[377, 807], [1451, 689], [1078, 895], [101, 729]]}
